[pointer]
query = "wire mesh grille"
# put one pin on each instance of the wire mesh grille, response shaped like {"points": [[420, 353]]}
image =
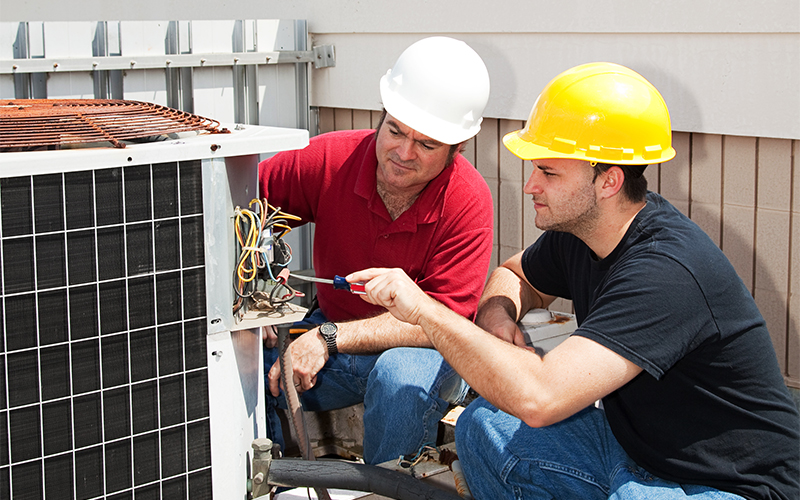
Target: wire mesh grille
{"points": [[103, 372], [30, 124]]}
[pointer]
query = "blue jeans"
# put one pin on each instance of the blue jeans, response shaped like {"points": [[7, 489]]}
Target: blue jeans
{"points": [[575, 458], [405, 392]]}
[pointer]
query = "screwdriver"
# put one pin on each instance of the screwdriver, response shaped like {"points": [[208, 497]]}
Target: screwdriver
{"points": [[338, 282]]}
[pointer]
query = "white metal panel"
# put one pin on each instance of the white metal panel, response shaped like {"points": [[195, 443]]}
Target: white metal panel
{"points": [[36, 39], [213, 87], [142, 39], [213, 93], [275, 82], [74, 85], [236, 407], [69, 40], [146, 85], [114, 38], [8, 36], [212, 36], [6, 87], [275, 34]]}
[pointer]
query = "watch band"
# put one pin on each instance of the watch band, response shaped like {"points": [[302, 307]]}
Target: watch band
{"points": [[328, 331]]}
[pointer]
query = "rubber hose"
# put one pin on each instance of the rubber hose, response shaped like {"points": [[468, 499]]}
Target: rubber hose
{"points": [[353, 476]]}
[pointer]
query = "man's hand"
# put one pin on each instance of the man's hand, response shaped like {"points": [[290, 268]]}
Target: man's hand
{"points": [[394, 290], [496, 321], [269, 337], [309, 353]]}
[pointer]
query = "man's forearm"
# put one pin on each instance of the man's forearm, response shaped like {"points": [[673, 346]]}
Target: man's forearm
{"points": [[506, 293], [377, 334]]}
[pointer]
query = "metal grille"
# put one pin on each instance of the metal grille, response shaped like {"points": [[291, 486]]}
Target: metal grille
{"points": [[103, 373], [32, 124]]}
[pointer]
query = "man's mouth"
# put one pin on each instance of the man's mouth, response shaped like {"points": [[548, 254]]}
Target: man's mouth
{"points": [[401, 165]]}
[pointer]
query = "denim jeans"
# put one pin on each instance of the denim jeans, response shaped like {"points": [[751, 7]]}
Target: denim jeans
{"points": [[575, 458], [405, 392]]}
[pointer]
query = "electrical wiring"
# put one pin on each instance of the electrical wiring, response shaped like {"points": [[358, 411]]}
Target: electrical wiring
{"points": [[424, 452], [262, 255]]}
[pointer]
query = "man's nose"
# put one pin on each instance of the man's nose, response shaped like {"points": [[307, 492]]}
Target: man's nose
{"points": [[533, 186], [405, 149]]}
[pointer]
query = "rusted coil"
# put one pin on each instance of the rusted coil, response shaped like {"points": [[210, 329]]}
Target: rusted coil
{"points": [[33, 124]]}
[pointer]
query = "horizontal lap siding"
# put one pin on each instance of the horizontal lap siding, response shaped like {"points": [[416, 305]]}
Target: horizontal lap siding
{"points": [[743, 191]]}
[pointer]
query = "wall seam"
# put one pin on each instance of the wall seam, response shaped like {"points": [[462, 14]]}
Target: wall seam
{"points": [[788, 306], [754, 278], [499, 138], [689, 198], [721, 221]]}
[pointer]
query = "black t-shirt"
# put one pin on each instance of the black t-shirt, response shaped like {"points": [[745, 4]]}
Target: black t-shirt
{"points": [[710, 406]]}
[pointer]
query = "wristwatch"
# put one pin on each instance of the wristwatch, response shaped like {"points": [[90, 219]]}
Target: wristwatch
{"points": [[328, 331]]}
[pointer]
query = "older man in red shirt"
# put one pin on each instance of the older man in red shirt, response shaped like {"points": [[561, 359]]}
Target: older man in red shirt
{"points": [[401, 196]]}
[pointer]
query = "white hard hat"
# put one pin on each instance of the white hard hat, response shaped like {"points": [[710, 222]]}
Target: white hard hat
{"points": [[439, 87]]}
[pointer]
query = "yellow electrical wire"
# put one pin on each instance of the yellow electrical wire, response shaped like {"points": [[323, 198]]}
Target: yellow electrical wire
{"points": [[251, 228]]}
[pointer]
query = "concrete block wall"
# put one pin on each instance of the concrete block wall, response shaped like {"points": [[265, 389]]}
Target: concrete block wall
{"points": [[743, 191]]}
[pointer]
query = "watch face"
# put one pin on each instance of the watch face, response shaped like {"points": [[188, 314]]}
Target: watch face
{"points": [[327, 329]]}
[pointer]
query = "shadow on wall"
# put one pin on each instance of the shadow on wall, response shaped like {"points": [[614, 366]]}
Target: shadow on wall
{"points": [[796, 396], [719, 220]]}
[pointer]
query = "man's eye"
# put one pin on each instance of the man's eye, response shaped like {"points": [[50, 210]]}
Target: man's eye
{"points": [[426, 147]]}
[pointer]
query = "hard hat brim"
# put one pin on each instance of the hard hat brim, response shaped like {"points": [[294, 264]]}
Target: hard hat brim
{"points": [[528, 150]]}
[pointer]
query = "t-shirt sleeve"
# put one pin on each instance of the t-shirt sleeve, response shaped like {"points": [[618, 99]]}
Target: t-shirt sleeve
{"points": [[543, 266]]}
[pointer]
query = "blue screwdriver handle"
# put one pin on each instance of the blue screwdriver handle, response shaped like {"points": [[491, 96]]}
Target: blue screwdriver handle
{"points": [[339, 283]]}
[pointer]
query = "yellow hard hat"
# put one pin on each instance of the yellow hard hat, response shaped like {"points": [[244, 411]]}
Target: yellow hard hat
{"points": [[599, 112]]}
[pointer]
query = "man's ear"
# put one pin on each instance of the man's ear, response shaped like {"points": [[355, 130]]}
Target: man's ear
{"points": [[611, 181]]}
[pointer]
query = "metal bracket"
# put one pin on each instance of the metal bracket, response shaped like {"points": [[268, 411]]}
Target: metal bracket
{"points": [[322, 57]]}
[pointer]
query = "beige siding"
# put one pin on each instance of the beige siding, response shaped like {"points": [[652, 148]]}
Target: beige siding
{"points": [[743, 191], [707, 184], [793, 340]]}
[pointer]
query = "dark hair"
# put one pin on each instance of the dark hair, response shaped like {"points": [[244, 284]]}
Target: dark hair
{"points": [[451, 155], [634, 186]]}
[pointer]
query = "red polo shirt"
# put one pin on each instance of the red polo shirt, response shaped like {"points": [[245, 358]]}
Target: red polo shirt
{"points": [[443, 242]]}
